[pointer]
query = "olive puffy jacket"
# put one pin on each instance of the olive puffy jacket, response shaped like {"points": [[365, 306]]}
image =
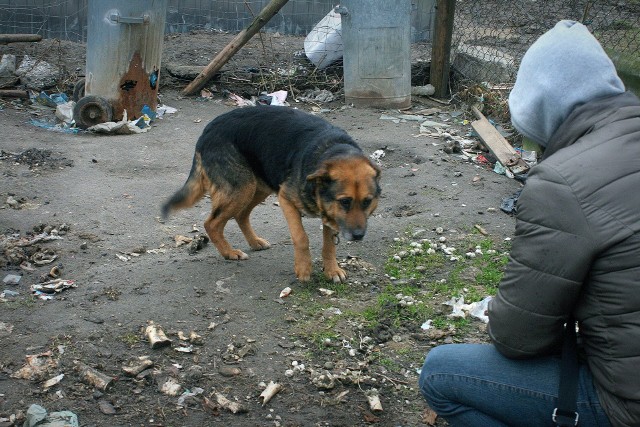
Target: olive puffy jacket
{"points": [[576, 252]]}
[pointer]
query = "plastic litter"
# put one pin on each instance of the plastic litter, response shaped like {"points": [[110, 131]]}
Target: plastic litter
{"points": [[52, 287], [57, 127], [476, 309], [52, 100], [374, 400], [323, 45], [509, 204], [188, 393], [37, 416], [64, 112], [123, 127], [11, 279], [426, 90], [161, 110]]}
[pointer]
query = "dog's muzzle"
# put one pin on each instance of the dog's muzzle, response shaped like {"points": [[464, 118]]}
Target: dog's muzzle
{"points": [[354, 234]]}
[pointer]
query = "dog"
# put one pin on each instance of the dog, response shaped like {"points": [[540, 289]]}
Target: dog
{"points": [[315, 168]]}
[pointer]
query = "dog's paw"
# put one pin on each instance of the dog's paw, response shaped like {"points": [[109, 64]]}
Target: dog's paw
{"points": [[260, 244], [303, 272], [236, 254], [336, 274]]}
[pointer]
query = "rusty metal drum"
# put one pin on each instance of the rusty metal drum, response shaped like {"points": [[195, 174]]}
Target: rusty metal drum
{"points": [[124, 51]]}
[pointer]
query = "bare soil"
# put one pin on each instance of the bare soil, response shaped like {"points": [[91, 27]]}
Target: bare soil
{"points": [[101, 196]]}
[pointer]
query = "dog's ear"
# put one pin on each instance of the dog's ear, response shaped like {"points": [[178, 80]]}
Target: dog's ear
{"points": [[376, 168], [321, 174]]}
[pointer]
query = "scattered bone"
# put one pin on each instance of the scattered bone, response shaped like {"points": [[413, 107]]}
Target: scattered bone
{"points": [[326, 292], [52, 381], [138, 365], [227, 371], [234, 407], [285, 292], [170, 387], [37, 366], [271, 390], [92, 376], [374, 400], [156, 336]]}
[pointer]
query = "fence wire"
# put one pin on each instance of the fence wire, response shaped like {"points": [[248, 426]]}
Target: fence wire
{"points": [[489, 38]]}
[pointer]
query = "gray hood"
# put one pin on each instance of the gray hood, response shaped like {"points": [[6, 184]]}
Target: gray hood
{"points": [[564, 68]]}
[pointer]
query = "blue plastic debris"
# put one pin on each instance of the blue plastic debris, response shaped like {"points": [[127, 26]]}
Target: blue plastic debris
{"points": [[146, 110], [51, 100], [58, 127]]}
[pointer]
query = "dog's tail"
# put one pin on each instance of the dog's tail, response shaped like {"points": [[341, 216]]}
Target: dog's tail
{"points": [[192, 191]]}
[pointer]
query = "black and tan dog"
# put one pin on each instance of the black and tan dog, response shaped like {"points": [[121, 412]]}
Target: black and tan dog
{"points": [[315, 168]]}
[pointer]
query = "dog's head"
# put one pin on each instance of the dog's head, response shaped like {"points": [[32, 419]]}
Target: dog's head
{"points": [[347, 192]]}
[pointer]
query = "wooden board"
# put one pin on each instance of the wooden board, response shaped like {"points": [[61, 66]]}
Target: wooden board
{"points": [[498, 145]]}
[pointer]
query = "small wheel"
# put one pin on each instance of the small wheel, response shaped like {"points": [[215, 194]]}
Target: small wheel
{"points": [[78, 90], [92, 110]]}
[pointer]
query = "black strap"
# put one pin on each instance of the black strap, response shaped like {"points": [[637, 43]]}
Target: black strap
{"points": [[565, 415]]}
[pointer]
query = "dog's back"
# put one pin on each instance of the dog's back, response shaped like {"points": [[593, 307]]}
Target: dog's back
{"points": [[265, 142], [269, 138]]}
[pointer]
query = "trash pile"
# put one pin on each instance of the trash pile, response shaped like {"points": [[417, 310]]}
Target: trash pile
{"points": [[38, 76], [28, 254]]}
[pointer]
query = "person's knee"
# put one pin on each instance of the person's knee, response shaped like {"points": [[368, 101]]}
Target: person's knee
{"points": [[434, 364]]}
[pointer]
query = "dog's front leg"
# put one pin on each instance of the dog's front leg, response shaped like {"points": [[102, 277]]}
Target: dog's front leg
{"points": [[301, 253], [331, 269]]}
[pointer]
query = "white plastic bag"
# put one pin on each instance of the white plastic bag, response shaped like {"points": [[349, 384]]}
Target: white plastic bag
{"points": [[323, 44]]}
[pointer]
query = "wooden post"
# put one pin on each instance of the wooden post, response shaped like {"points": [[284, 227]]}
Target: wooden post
{"points": [[14, 93], [234, 45], [15, 38], [441, 47]]}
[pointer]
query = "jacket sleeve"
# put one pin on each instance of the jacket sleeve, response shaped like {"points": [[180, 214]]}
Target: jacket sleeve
{"points": [[549, 260]]}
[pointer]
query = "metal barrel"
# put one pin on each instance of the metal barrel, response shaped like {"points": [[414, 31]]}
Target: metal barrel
{"points": [[124, 50], [377, 48]]}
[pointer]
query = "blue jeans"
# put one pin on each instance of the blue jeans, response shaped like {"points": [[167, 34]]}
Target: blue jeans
{"points": [[474, 385]]}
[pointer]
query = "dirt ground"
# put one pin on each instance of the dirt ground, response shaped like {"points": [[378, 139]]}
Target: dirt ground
{"points": [[99, 196]]}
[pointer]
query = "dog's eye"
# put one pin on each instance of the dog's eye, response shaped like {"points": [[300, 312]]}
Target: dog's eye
{"points": [[345, 203], [366, 203]]}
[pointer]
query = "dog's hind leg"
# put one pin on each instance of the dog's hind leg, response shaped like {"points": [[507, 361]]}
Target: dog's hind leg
{"points": [[255, 242], [225, 206]]}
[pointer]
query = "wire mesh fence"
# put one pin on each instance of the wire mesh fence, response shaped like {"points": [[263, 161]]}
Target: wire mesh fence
{"points": [[489, 36]]}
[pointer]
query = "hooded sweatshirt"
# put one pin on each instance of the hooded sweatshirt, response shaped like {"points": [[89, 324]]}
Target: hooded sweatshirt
{"points": [[564, 68], [576, 250]]}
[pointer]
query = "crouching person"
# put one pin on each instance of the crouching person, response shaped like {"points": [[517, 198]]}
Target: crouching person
{"points": [[575, 258]]}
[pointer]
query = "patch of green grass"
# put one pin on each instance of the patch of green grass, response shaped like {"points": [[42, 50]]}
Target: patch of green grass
{"points": [[130, 339], [429, 276], [21, 303], [322, 338]]}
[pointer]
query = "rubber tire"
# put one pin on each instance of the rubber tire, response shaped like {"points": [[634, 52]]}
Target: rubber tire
{"points": [[78, 90], [92, 110]]}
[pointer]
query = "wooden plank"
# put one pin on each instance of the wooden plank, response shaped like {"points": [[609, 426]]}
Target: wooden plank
{"points": [[14, 93], [14, 38], [498, 145], [234, 46]]}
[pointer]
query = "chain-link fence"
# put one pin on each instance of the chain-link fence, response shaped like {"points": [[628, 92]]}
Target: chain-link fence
{"points": [[67, 19], [489, 37]]}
